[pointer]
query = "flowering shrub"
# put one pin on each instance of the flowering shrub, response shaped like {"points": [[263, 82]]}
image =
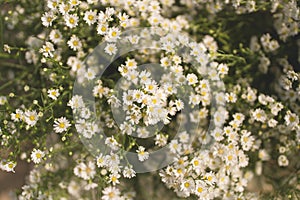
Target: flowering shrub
{"points": [[141, 99]]}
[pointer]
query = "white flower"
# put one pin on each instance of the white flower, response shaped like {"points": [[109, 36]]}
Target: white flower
{"points": [[76, 102], [218, 134], [128, 172], [259, 115], [142, 154], [110, 49], [31, 117], [113, 34], [8, 166], [37, 156], [291, 119], [55, 36], [187, 186], [74, 43], [3, 100], [231, 97], [71, 20], [114, 178], [53, 93], [17, 116], [102, 28], [90, 17], [111, 193], [61, 125], [90, 74], [223, 69], [283, 161], [47, 50], [6, 48], [100, 160], [192, 79], [48, 18], [247, 140]]}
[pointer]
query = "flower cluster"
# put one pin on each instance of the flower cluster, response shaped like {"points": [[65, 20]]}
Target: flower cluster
{"points": [[204, 94]]}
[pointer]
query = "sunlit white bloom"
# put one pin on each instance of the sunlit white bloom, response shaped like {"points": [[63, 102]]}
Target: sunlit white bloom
{"points": [[102, 28], [53, 93], [291, 119], [90, 74], [111, 193], [48, 18], [100, 160], [112, 143], [61, 125], [114, 178], [142, 154], [231, 97], [128, 172], [47, 49], [223, 69], [110, 49], [90, 17], [8, 166], [259, 115], [192, 79], [74, 43], [247, 140], [55, 36], [76, 102], [17, 116], [31, 117], [37, 156], [113, 34], [71, 20]]}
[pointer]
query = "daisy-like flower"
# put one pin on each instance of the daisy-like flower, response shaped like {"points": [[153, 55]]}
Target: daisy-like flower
{"points": [[142, 154], [128, 172], [291, 119], [100, 160], [74, 43], [61, 125], [259, 115], [113, 34], [223, 69], [192, 79], [55, 36], [47, 49], [90, 17], [8, 166], [111, 49], [231, 97], [53, 93], [37, 156], [48, 18], [71, 20], [17, 116], [31, 117], [76, 102], [114, 178], [111, 193], [102, 28]]}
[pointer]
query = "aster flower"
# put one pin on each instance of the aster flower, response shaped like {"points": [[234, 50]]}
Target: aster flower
{"points": [[37, 156], [61, 124]]}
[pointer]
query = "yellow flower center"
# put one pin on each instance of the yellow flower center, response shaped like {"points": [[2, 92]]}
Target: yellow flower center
{"points": [[90, 17], [186, 184], [38, 155], [61, 125], [200, 189], [32, 118]]}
